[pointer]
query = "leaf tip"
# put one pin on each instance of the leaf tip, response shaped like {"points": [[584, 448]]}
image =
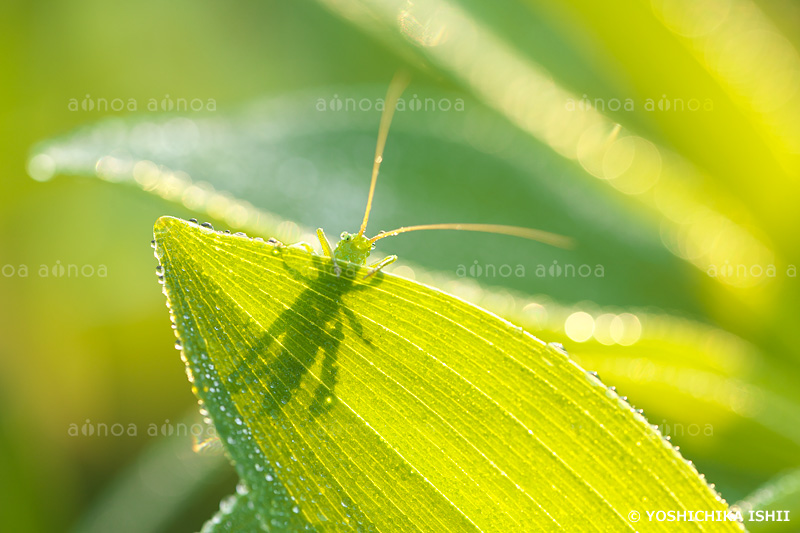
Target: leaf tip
{"points": [[165, 223]]}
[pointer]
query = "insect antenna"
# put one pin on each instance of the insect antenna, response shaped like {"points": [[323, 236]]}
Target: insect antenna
{"points": [[515, 231], [396, 88]]}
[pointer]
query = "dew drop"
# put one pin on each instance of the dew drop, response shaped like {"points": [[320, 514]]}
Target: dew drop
{"points": [[207, 225], [226, 506], [557, 346]]}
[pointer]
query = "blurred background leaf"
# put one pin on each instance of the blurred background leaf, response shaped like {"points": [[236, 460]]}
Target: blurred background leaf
{"points": [[98, 349], [777, 498]]}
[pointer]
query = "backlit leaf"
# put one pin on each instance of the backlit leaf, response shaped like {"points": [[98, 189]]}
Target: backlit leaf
{"points": [[384, 404]]}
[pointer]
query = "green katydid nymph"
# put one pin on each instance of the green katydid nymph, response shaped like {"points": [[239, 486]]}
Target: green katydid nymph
{"points": [[356, 247]]}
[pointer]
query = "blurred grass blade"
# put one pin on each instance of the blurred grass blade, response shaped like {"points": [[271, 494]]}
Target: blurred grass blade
{"points": [[475, 54], [281, 165], [159, 485], [779, 496], [386, 404]]}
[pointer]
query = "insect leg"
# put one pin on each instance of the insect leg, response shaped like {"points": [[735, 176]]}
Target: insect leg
{"points": [[326, 247], [388, 260]]}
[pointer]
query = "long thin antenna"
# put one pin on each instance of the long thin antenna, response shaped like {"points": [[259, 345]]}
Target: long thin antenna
{"points": [[396, 88], [515, 231]]}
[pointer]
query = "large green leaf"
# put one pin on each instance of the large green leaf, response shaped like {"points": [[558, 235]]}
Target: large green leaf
{"points": [[386, 404]]}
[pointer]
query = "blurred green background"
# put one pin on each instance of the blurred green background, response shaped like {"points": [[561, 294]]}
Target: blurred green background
{"points": [[688, 190]]}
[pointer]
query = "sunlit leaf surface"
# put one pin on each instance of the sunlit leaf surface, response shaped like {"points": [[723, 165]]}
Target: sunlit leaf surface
{"points": [[387, 405]]}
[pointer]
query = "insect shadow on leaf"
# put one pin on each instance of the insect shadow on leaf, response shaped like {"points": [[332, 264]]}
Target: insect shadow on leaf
{"points": [[313, 323]]}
